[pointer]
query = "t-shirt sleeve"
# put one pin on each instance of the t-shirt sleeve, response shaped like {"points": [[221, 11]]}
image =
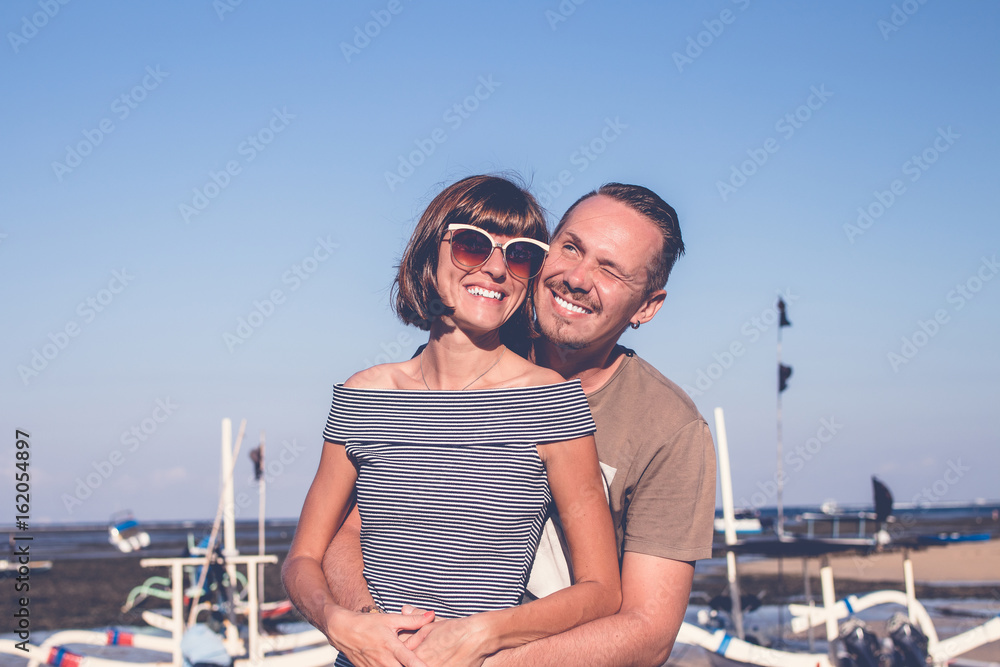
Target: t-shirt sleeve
{"points": [[672, 507], [557, 412], [340, 424]]}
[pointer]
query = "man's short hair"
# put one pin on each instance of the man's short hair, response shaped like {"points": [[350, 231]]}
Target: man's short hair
{"points": [[650, 205]]}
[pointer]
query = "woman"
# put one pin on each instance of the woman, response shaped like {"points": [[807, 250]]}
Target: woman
{"points": [[455, 454]]}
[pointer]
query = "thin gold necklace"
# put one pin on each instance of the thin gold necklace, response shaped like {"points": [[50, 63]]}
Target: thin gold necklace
{"points": [[478, 377]]}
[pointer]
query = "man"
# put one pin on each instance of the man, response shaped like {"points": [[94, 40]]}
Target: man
{"points": [[609, 261]]}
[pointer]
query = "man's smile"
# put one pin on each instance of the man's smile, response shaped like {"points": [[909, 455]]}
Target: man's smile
{"points": [[565, 304]]}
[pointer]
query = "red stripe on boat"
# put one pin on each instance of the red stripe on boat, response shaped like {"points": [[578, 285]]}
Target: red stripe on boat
{"points": [[118, 638], [60, 657]]}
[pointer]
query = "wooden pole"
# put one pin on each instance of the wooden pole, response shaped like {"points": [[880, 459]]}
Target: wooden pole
{"points": [[262, 486], [729, 521], [210, 553]]}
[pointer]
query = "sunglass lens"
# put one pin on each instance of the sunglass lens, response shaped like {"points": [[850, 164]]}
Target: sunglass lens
{"points": [[524, 259], [470, 248]]}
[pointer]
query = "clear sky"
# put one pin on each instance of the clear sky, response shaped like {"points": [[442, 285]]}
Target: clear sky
{"points": [[202, 204]]}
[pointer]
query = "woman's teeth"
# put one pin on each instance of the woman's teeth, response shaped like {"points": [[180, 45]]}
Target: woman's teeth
{"points": [[489, 294]]}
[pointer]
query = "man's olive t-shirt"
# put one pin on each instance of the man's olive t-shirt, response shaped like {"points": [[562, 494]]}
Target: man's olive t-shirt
{"points": [[658, 461], [658, 458]]}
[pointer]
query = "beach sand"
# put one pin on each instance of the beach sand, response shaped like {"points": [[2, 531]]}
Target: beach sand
{"points": [[963, 563]]}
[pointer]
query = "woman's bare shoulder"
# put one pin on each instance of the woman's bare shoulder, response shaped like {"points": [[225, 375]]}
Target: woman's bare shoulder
{"points": [[384, 376], [530, 375]]}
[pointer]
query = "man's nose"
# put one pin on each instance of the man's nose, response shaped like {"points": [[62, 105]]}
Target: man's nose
{"points": [[579, 277]]}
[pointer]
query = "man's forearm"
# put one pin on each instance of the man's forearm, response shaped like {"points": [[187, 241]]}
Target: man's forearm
{"points": [[654, 597], [343, 566], [613, 641]]}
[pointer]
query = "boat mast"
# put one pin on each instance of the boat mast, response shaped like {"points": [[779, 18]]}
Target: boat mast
{"points": [[784, 372]]}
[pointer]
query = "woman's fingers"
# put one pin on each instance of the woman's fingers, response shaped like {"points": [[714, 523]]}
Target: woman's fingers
{"points": [[417, 638], [409, 609], [411, 621], [407, 658], [373, 640]]}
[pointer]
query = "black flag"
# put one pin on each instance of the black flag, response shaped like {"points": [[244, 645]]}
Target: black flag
{"points": [[883, 500], [784, 372], [784, 316], [257, 456]]}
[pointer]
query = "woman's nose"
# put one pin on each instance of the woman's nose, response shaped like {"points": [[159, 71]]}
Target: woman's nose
{"points": [[494, 266]]}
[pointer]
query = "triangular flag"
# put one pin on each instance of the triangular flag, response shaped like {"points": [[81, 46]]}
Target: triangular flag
{"points": [[784, 316], [784, 372]]}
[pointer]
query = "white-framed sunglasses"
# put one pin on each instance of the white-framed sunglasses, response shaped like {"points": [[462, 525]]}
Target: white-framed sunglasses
{"points": [[471, 247]]}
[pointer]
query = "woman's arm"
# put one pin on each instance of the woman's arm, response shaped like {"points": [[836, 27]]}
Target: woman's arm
{"points": [[367, 639], [577, 488]]}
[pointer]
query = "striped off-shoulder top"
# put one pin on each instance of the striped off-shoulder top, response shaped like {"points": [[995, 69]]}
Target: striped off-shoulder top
{"points": [[452, 493]]}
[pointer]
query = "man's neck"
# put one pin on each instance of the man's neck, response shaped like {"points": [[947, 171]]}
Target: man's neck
{"points": [[592, 366]]}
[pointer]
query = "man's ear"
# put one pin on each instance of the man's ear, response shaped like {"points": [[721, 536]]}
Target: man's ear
{"points": [[650, 306]]}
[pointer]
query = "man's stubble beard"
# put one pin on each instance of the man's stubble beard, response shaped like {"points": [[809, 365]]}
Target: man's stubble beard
{"points": [[554, 335], [554, 331]]}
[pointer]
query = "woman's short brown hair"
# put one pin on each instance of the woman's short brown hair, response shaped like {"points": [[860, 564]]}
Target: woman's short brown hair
{"points": [[492, 203]]}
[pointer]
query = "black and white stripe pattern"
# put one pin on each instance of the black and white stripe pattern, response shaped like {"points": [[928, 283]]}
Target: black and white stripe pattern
{"points": [[451, 491]]}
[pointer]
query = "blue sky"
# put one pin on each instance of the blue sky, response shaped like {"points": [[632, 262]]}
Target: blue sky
{"points": [[173, 169]]}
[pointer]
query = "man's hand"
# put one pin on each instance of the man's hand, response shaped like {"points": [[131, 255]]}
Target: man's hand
{"points": [[461, 642], [372, 640]]}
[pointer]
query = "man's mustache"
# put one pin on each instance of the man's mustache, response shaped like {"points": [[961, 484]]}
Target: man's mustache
{"points": [[583, 300]]}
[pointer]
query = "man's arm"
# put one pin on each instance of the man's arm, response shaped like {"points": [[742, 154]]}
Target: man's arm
{"points": [[343, 565], [655, 595]]}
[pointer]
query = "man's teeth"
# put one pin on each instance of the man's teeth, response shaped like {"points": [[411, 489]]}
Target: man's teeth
{"points": [[489, 294], [569, 306]]}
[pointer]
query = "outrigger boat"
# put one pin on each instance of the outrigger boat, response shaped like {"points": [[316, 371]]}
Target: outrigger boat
{"points": [[913, 640], [125, 533], [242, 643]]}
